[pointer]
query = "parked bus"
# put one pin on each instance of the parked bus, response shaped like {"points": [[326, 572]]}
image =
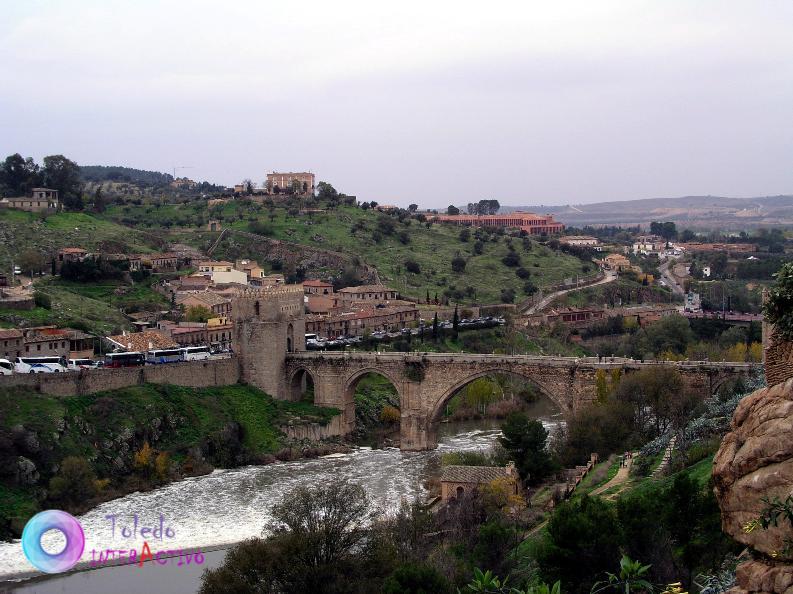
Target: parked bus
{"points": [[158, 356], [39, 365], [195, 353], [133, 359]]}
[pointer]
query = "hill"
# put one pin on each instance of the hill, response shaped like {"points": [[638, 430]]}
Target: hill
{"points": [[409, 255], [696, 212], [98, 173]]}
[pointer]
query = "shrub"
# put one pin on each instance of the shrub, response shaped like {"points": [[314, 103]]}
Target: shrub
{"points": [[522, 272], [390, 414], [507, 295], [42, 300], [75, 482], [416, 579], [479, 248], [458, 264], [512, 259], [412, 266], [404, 237]]}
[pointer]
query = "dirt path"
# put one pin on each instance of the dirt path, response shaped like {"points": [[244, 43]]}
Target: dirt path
{"points": [[618, 479]]}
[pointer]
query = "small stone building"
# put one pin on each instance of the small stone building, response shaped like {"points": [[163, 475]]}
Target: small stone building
{"points": [[461, 480]]}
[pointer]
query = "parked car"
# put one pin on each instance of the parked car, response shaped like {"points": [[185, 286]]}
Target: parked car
{"points": [[77, 364]]}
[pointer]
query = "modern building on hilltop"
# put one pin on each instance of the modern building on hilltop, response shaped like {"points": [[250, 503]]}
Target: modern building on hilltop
{"points": [[284, 182], [533, 224], [41, 200]]}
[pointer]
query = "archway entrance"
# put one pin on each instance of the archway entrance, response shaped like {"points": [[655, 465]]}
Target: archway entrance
{"points": [[301, 387], [290, 339], [373, 403]]}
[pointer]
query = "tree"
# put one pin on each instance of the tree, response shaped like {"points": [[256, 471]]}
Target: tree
{"points": [[508, 295], [452, 210], [326, 192], [458, 264], [18, 175], [435, 324], [479, 248], [74, 483], [248, 186], [465, 234], [296, 187], [455, 321], [778, 310], [61, 174], [99, 201], [413, 267], [525, 440], [32, 261], [198, 313], [413, 207]]}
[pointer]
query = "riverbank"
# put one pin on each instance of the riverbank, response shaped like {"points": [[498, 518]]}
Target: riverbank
{"points": [[214, 511], [75, 453]]}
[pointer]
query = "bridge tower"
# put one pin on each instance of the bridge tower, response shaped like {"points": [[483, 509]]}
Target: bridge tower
{"points": [[269, 322]]}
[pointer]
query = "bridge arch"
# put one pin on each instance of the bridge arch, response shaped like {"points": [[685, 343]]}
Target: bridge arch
{"points": [[301, 382], [437, 409]]}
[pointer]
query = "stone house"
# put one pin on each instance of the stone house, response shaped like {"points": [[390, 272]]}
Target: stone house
{"points": [[140, 341], [41, 200], [317, 287], [366, 293], [359, 322], [285, 181], [461, 480], [46, 341], [218, 305], [11, 344]]}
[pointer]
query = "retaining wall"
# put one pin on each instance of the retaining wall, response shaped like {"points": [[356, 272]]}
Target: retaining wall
{"points": [[194, 374]]}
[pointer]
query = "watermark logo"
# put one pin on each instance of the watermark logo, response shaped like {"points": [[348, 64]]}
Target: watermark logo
{"points": [[66, 524]]}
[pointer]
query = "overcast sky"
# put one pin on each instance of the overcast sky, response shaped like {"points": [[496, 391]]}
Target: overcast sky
{"points": [[431, 102]]}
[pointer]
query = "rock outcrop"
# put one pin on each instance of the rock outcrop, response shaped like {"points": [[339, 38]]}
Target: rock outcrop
{"points": [[755, 461]]}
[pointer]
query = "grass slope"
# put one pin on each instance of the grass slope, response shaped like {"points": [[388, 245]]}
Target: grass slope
{"points": [[351, 230]]}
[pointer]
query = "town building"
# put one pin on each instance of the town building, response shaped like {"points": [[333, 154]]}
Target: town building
{"points": [[317, 287], [284, 182], [140, 342], [11, 345], [81, 344], [459, 481], [71, 254], [219, 306], [532, 223], [569, 316], [580, 240], [210, 266], [365, 294], [215, 333], [184, 183], [40, 200], [648, 244], [167, 262], [616, 262], [46, 341], [693, 246], [362, 321]]}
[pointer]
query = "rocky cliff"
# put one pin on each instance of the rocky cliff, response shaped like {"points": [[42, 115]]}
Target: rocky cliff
{"points": [[755, 462]]}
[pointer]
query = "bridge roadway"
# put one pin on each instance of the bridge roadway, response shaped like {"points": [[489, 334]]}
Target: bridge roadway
{"points": [[550, 361], [426, 381]]}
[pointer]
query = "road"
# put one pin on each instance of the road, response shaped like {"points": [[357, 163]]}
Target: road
{"points": [[610, 277], [668, 279]]}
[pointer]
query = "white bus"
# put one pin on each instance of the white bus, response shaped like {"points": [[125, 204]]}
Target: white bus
{"points": [[39, 365], [6, 367], [78, 364], [195, 353], [157, 356]]}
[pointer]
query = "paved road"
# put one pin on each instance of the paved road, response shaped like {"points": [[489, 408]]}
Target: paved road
{"points": [[669, 280], [610, 277]]}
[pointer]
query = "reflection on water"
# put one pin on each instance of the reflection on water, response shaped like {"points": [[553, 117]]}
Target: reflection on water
{"points": [[230, 505]]}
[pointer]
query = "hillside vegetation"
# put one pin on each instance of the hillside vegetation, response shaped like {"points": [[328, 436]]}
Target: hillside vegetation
{"points": [[409, 255], [130, 439]]}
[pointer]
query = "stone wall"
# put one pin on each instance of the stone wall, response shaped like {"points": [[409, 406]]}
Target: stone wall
{"points": [[315, 431], [196, 374]]}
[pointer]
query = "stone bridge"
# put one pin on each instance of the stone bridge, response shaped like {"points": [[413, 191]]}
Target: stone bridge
{"points": [[426, 381]]}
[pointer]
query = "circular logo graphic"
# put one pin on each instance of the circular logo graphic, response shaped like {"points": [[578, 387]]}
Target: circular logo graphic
{"points": [[53, 519]]}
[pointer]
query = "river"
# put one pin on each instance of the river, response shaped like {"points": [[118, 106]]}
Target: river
{"points": [[211, 512]]}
